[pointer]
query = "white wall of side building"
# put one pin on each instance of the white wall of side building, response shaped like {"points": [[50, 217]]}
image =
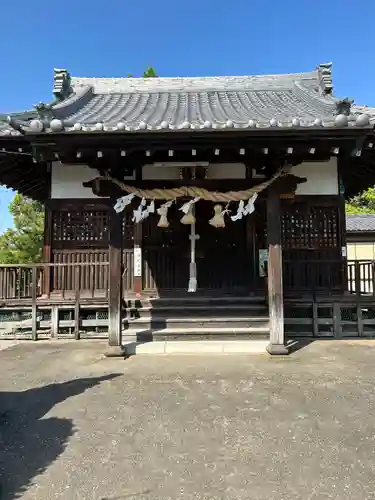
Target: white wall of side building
{"points": [[67, 180]]}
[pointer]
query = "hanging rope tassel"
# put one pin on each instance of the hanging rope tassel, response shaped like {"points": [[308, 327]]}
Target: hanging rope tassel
{"points": [[218, 218], [187, 208], [163, 212]]}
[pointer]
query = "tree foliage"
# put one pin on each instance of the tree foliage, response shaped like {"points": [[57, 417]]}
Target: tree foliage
{"points": [[148, 73], [364, 203], [23, 243]]}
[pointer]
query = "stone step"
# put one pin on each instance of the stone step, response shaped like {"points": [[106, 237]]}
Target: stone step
{"points": [[159, 322], [190, 300], [194, 333], [177, 311], [200, 347]]}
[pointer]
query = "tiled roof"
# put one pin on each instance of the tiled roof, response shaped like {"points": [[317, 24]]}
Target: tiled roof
{"points": [[209, 103], [360, 223]]}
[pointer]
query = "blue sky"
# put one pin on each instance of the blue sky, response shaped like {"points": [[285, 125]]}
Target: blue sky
{"points": [[198, 37]]}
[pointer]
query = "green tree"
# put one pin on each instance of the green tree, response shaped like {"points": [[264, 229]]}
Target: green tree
{"points": [[149, 73], [23, 243], [364, 203]]}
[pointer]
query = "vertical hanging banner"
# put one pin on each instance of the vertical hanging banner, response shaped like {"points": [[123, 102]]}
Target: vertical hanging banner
{"points": [[137, 267]]}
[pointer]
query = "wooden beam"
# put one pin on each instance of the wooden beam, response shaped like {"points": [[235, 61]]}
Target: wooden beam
{"points": [[115, 284], [275, 274]]}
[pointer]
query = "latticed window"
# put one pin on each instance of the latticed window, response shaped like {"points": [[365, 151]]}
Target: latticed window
{"points": [[310, 228], [80, 228]]}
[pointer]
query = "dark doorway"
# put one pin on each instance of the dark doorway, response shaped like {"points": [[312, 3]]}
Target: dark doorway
{"points": [[166, 253], [224, 261]]}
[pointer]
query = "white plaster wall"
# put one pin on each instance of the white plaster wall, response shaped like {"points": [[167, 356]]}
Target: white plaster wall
{"points": [[226, 171], [214, 171], [322, 177], [159, 172], [66, 181]]}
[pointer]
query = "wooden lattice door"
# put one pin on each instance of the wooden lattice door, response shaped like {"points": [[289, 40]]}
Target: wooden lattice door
{"points": [[166, 253], [224, 259]]}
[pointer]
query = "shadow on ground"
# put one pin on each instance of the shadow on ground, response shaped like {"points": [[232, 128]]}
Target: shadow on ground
{"points": [[28, 442]]}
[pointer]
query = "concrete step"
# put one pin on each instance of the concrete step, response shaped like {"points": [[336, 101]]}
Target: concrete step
{"points": [[200, 347]]}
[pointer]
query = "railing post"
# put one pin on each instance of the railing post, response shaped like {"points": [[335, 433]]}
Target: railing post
{"points": [[357, 278], [336, 309], [34, 319], [54, 322], [77, 277]]}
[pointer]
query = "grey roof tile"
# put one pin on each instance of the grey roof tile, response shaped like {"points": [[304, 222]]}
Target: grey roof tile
{"points": [[360, 223], [202, 103]]}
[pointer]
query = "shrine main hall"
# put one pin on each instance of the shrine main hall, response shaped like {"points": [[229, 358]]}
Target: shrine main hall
{"points": [[190, 214]]}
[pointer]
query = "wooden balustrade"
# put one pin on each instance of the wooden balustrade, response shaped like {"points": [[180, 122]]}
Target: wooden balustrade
{"points": [[330, 277], [326, 276], [90, 279], [28, 281]]}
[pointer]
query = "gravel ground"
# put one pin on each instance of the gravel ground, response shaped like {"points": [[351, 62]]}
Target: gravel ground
{"points": [[74, 425]]}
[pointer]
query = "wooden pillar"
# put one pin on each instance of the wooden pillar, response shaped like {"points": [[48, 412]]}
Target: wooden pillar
{"points": [[342, 244], [47, 251], [342, 226], [115, 284], [275, 274]]}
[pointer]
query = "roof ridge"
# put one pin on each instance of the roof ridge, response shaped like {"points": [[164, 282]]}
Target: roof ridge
{"points": [[320, 79], [300, 74], [197, 84]]}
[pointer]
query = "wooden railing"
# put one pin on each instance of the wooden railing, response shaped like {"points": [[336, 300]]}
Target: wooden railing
{"points": [[361, 277], [65, 280], [314, 276], [330, 277], [90, 279]]}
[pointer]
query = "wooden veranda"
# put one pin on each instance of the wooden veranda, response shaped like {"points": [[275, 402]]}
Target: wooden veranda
{"points": [[70, 300]]}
